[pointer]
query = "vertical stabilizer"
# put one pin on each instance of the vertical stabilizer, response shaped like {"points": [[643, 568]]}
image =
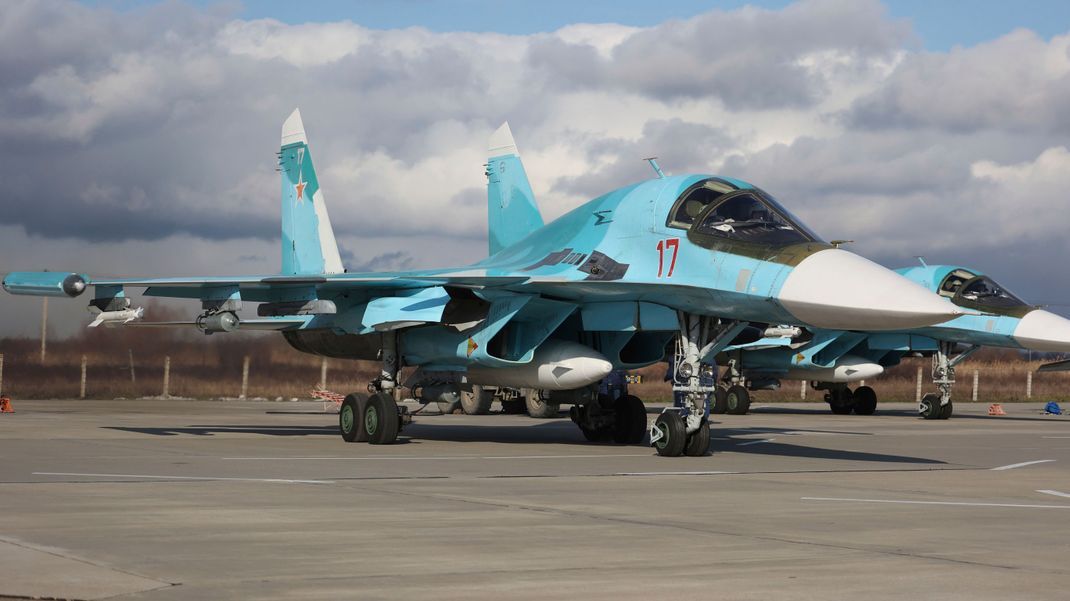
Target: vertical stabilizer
{"points": [[511, 210], [308, 244]]}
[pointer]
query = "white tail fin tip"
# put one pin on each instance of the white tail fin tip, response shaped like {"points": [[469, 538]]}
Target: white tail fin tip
{"points": [[293, 130], [501, 142]]}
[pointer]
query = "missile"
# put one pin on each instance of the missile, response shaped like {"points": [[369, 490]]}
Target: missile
{"points": [[556, 365], [850, 368], [114, 319]]}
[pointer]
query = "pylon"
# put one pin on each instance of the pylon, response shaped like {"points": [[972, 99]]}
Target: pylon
{"points": [[5, 405], [996, 409]]}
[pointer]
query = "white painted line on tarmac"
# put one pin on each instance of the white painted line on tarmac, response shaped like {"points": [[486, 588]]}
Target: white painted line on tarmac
{"points": [[743, 444], [1018, 465], [435, 457], [1056, 493], [1055, 436], [958, 503], [156, 477], [671, 473]]}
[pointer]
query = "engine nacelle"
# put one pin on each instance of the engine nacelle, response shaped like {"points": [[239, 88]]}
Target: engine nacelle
{"points": [[556, 365]]}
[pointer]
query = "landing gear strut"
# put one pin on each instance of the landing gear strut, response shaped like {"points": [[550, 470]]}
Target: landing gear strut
{"points": [[684, 427], [938, 405], [376, 419]]}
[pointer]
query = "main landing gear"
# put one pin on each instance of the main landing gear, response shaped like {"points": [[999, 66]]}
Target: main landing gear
{"points": [[684, 428], [938, 405], [376, 418], [844, 401]]}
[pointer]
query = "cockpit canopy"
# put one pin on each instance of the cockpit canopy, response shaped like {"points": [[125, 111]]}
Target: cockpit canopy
{"points": [[968, 289], [716, 211]]}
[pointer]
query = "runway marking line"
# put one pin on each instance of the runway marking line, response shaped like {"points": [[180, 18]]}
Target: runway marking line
{"points": [[1018, 465], [438, 457], [209, 478], [1055, 492], [955, 503], [707, 473]]}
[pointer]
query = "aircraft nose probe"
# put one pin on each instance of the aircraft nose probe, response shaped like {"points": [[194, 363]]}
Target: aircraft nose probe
{"points": [[839, 290]]}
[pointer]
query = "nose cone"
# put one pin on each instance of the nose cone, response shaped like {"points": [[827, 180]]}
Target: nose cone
{"points": [[1041, 330], [838, 290]]}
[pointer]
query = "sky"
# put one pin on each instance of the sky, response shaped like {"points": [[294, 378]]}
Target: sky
{"points": [[138, 138]]}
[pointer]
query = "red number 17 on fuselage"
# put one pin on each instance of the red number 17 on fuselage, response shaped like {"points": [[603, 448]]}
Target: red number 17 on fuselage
{"points": [[672, 244]]}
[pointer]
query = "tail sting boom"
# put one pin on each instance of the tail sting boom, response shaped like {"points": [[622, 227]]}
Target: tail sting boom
{"points": [[308, 244]]}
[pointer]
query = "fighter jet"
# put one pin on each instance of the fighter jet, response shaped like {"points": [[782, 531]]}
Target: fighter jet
{"points": [[833, 358], [554, 307]]}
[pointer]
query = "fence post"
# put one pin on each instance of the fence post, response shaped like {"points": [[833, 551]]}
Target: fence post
{"points": [[81, 391], [917, 391], [44, 326], [244, 377], [802, 390], [133, 378], [975, 385], [166, 376], [323, 374], [1, 373], [1029, 384]]}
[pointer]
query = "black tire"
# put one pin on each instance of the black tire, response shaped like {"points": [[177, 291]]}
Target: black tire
{"points": [[698, 443], [381, 419], [947, 410], [351, 418], [478, 401], [930, 406], [720, 402], [737, 400], [673, 434], [840, 400], [539, 407], [629, 420], [593, 435], [865, 401], [513, 407]]}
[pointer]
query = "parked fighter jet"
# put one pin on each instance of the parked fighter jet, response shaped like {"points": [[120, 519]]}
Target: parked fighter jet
{"points": [[832, 359], [554, 307]]}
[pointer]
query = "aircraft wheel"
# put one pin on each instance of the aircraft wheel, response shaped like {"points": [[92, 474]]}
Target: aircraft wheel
{"points": [[840, 400], [673, 434], [381, 419], [351, 418], [946, 410], [737, 400], [698, 443], [720, 402], [865, 401], [449, 408], [513, 407], [629, 420], [539, 407], [930, 406], [478, 401]]}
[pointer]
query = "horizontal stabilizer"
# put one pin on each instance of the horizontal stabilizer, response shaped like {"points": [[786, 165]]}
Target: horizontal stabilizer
{"points": [[1055, 366]]}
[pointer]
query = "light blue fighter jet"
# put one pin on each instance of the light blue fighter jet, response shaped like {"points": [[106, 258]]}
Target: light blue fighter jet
{"points": [[555, 307], [831, 359]]}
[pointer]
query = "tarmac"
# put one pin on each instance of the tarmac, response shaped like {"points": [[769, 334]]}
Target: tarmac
{"points": [[165, 500]]}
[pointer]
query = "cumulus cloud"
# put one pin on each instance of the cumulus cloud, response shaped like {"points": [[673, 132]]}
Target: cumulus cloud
{"points": [[156, 129]]}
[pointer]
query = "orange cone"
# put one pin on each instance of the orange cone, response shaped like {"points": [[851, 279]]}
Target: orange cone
{"points": [[996, 409], [5, 405]]}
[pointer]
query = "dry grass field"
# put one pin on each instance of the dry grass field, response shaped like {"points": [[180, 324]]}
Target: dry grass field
{"points": [[210, 367]]}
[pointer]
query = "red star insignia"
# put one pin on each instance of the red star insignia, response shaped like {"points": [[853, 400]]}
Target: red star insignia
{"points": [[300, 186]]}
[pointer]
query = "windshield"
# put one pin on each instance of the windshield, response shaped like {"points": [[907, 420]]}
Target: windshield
{"points": [[983, 291], [749, 217], [692, 203]]}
